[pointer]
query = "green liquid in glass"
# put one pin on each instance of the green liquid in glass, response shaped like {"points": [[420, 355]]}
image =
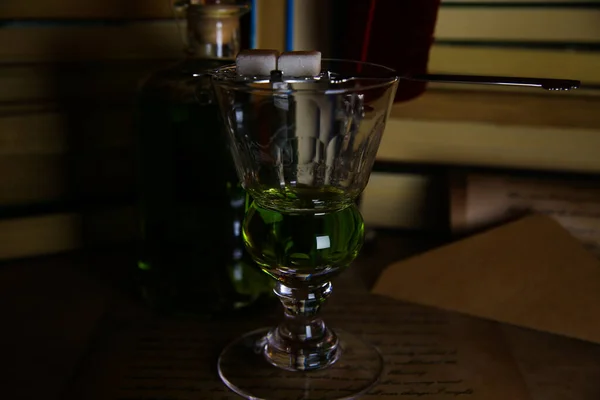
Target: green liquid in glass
{"points": [[311, 245]]}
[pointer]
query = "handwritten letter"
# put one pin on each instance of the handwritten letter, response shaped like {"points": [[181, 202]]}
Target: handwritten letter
{"points": [[428, 354], [431, 354], [573, 204]]}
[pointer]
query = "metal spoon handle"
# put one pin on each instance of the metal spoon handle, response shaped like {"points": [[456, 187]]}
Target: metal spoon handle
{"points": [[548, 84]]}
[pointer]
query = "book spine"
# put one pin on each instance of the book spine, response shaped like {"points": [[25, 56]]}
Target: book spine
{"points": [[253, 24], [289, 25]]}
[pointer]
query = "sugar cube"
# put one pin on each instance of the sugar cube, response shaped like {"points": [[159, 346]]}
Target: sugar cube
{"points": [[257, 62], [300, 63]]}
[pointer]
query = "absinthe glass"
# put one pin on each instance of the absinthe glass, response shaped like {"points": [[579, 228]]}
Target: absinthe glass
{"points": [[304, 149]]}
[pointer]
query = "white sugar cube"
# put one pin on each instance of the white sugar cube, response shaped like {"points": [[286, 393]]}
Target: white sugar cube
{"points": [[256, 62], [300, 63]]}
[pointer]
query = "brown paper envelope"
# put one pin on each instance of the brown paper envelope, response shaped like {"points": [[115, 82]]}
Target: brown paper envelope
{"points": [[530, 273]]}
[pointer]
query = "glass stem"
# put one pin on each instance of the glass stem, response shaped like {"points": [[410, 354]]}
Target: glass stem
{"points": [[302, 342]]}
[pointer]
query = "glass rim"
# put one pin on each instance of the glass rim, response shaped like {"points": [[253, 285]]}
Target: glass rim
{"points": [[222, 77]]}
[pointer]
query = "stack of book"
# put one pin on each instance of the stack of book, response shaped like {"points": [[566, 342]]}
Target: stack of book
{"points": [[69, 70], [503, 151]]}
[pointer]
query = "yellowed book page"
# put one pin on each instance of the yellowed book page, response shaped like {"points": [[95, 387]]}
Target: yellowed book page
{"points": [[582, 65], [533, 108], [401, 201], [527, 24]]}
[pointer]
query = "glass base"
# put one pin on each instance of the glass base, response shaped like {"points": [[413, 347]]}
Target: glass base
{"points": [[243, 368]]}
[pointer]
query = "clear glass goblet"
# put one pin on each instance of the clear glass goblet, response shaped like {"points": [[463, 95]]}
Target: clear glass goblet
{"points": [[304, 149]]}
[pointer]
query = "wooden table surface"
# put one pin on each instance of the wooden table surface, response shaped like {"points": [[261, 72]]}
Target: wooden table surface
{"points": [[53, 309]]}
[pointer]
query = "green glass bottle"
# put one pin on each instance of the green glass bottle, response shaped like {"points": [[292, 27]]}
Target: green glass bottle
{"points": [[192, 257]]}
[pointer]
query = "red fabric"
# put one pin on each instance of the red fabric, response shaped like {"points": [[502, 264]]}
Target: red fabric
{"points": [[366, 41], [399, 36]]}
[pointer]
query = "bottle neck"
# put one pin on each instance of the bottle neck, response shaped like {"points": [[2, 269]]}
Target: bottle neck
{"points": [[214, 31]]}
